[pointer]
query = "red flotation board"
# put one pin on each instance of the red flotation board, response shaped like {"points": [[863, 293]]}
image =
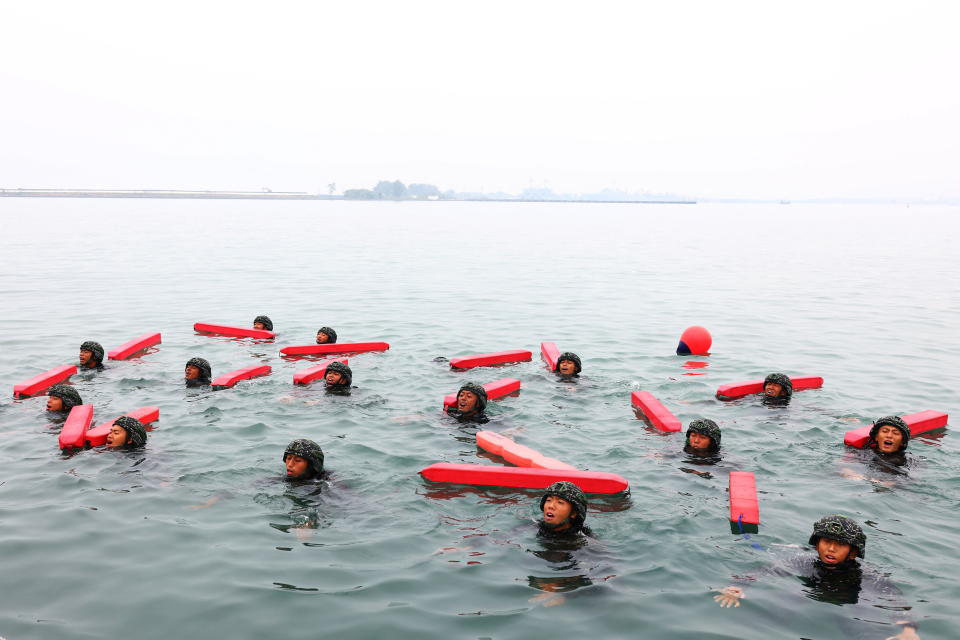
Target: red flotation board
{"points": [[136, 345], [237, 332], [98, 435], [518, 454], [313, 373], [72, 433], [486, 359], [488, 475], [743, 498], [495, 389], [337, 347], [658, 415], [918, 422], [549, 353], [45, 380], [229, 379], [750, 387]]}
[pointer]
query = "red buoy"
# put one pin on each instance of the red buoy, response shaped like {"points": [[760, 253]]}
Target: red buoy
{"points": [[695, 341], [237, 332], [98, 435], [518, 454], [495, 389], [337, 347], [550, 354], [479, 474], [45, 380], [229, 379], [75, 427], [658, 415], [918, 422], [486, 359], [316, 372], [136, 345], [744, 505], [740, 389]]}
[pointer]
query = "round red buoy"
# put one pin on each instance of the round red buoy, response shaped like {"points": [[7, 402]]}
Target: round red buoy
{"points": [[694, 341]]}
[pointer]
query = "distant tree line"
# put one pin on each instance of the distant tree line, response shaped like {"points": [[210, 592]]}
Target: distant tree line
{"points": [[396, 190]]}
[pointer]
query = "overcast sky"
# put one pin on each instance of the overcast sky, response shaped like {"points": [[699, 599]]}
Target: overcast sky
{"points": [[756, 99]]}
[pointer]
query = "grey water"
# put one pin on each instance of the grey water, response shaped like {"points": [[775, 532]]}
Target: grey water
{"points": [[199, 536]]}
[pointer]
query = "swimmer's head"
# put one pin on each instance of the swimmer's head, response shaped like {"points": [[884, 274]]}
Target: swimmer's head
{"points": [[778, 386], [889, 434], [842, 530], [63, 397], [703, 435], [91, 354], [326, 335], [263, 323], [303, 459], [338, 374], [564, 506], [568, 364], [471, 398], [126, 432], [197, 369]]}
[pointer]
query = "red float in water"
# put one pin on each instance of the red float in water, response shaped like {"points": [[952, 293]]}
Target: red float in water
{"points": [[495, 389], [229, 379], [136, 345], [919, 423], [237, 332], [518, 454], [550, 354], [750, 387], [478, 474], [694, 341], [486, 359], [316, 372], [338, 347], [744, 506], [658, 415], [98, 435], [45, 380], [72, 433]]}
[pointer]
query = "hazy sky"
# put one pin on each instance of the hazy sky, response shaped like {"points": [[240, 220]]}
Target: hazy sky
{"points": [[761, 99]]}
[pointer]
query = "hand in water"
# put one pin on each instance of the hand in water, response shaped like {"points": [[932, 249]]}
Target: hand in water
{"points": [[729, 596], [908, 633]]}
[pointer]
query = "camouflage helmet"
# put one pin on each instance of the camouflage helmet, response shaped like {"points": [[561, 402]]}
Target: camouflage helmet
{"points": [[95, 348], [200, 363], [136, 434], [569, 492], [892, 421], [267, 322], [67, 394], [572, 357], [479, 391], [330, 332], [309, 451], [343, 370], [842, 529], [705, 427], [784, 381]]}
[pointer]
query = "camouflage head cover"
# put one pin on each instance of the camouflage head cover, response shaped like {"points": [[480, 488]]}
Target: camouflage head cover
{"points": [[330, 332], [479, 391], [892, 421], [267, 322], [842, 529], [572, 357], [569, 492], [309, 451], [136, 434], [784, 381], [343, 370], [67, 394], [95, 348], [205, 371], [705, 427]]}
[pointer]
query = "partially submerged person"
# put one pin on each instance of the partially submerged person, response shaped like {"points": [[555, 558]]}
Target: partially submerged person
{"points": [[326, 335], [197, 372], [303, 460], [91, 355], [338, 377], [889, 436], [63, 397], [777, 388], [568, 365], [703, 438], [471, 404], [127, 433], [564, 508], [834, 575], [263, 323]]}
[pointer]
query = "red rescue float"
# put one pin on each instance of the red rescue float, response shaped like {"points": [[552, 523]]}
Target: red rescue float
{"points": [[237, 332], [229, 379], [136, 345], [740, 389], [487, 359], [479, 474], [550, 353], [98, 435], [919, 423], [45, 380], [495, 389], [72, 433], [337, 347], [315, 373], [744, 506], [509, 450], [658, 415]]}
